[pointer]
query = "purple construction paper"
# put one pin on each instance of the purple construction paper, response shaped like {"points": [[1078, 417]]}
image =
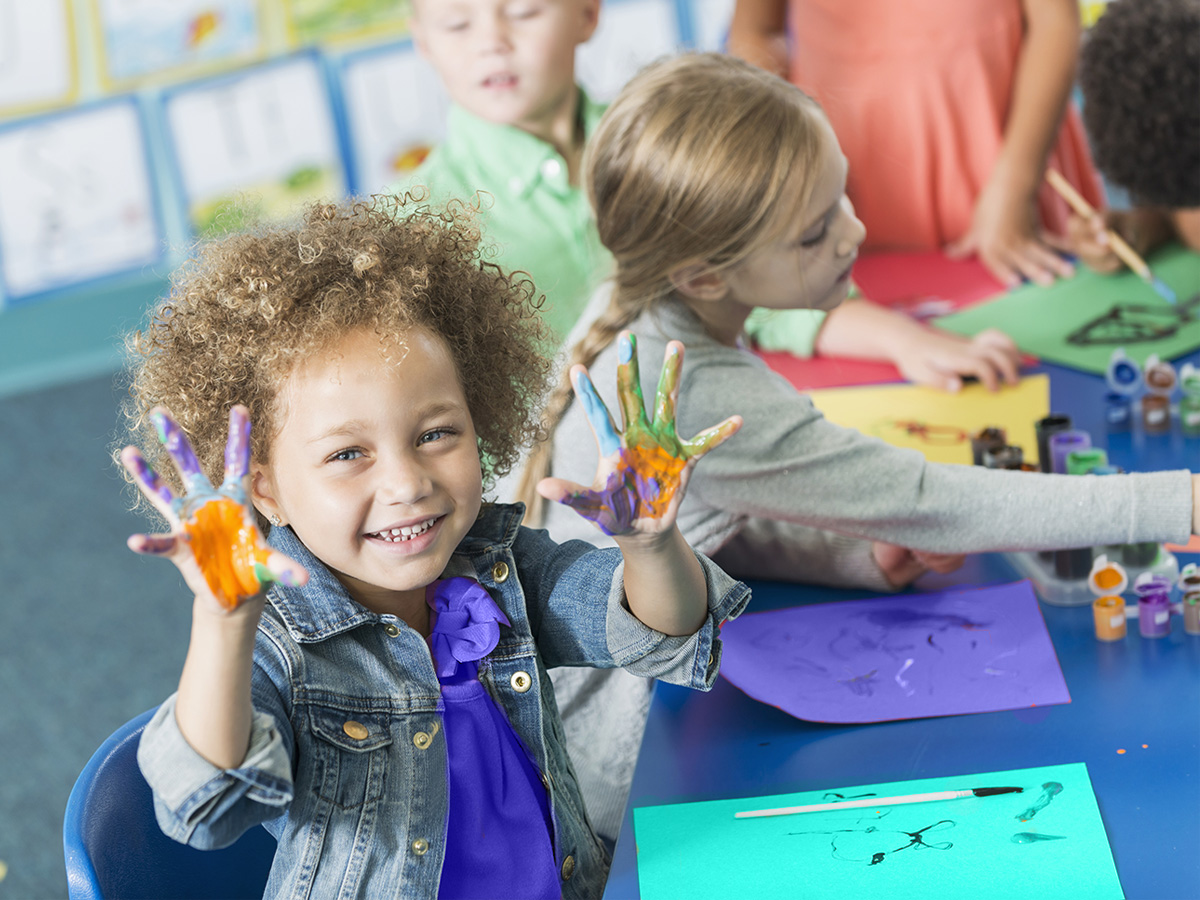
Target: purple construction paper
{"points": [[903, 657]]}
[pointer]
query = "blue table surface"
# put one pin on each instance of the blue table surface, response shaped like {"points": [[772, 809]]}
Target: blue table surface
{"points": [[1134, 692]]}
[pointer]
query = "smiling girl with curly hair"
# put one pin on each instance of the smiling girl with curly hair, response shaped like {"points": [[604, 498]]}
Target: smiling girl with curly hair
{"points": [[370, 681]]}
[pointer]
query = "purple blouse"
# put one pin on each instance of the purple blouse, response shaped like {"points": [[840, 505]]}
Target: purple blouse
{"points": [[498, 833]]}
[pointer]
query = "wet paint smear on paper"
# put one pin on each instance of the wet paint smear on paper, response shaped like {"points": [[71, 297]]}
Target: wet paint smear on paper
{"points": [[1049, 791], [1029, 837]]}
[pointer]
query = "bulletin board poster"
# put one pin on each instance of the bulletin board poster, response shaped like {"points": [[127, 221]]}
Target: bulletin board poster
{"points": [[77, 199], [631, 34], [141, 41], [315, 21], [37, 56], [395, 112], [255, 146]]}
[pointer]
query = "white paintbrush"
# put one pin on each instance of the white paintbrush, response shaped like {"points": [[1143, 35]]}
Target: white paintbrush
{"points": [[878, 801]]}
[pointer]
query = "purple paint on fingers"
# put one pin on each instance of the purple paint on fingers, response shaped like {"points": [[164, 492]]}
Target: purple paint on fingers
{"points": [[237, 448], [177, 444], [157, 544], [150, 481]]}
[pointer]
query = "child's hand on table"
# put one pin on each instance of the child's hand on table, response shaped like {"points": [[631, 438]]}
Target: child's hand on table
{"points": [[214, 540], [901, 566], [941, 359], [1004, 235], [643, 469]]}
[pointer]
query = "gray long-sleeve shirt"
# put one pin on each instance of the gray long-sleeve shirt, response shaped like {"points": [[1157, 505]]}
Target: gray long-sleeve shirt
{"points": [[796, 497]]}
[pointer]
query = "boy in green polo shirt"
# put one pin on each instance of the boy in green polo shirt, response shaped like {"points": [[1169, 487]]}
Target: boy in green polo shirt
{"points": [[516, 131]]}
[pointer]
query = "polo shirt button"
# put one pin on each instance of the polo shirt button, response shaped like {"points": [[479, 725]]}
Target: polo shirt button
{"points": [[356, 730], [391, 629], [551, 168], [521, 682], [500, 572], [420, 846], [568, 868], [516, 185]]}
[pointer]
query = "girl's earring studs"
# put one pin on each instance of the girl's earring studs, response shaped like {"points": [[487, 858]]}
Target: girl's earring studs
{"points": [[275, 520]]}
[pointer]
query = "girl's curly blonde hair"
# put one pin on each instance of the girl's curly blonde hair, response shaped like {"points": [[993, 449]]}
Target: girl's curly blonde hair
{"points": [[245, 309]]}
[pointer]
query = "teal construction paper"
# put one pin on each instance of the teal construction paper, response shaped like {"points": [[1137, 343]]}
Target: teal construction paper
{"points": [[1023, 846]]}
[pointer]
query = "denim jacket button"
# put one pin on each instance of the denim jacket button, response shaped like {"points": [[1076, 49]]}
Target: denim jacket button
{"points": [[420, 846], [568, 868], [521, 682], [356, 730], [422, 740], [391, 629], [500, 572]]}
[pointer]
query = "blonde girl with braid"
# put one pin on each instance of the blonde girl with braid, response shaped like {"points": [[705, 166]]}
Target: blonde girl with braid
{"points": [[719, 188]]}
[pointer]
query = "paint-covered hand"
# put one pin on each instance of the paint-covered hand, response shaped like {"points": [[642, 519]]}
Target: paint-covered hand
{"points": [[214, 539], [644, 468]]}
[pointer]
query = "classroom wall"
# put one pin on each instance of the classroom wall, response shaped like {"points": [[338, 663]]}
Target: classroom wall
{"points": [[129, 127]]}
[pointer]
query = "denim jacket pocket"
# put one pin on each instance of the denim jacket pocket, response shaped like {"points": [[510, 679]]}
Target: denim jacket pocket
{"points": [[350, 755]]}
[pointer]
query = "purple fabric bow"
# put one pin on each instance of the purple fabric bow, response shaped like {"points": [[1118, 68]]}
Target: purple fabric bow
{"points": [[465, 624]]}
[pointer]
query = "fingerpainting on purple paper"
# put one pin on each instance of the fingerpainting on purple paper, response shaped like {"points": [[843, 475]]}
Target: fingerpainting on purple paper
{"points": [[902, 657]]}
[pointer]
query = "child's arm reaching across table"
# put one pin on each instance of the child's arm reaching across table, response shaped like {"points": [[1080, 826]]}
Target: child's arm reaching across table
{"points": [[639, 485], [924, 355], [217, 547]]}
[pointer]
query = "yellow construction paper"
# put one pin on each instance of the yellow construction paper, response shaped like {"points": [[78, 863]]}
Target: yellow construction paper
{"points": [[939, 424]]}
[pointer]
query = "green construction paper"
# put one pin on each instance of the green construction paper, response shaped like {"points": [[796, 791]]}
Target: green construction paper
{"points": [[1039, 319], [699, 850]]}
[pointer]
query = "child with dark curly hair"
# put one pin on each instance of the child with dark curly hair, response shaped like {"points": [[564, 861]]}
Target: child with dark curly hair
{"points": [[369, 681], [1140, 78]]}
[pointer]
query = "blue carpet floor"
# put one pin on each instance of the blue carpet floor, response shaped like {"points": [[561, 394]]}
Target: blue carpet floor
{"points": [[90, 634]]}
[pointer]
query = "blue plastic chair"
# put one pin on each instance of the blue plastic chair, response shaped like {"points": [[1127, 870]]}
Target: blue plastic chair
{"points": [[115, 849]]}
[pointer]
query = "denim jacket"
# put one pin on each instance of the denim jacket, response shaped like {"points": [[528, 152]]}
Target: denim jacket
{"points": [[347, 763]]}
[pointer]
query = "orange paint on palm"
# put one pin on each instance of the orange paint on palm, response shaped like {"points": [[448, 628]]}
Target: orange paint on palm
{"points": [[227, 550], [655, 466]]}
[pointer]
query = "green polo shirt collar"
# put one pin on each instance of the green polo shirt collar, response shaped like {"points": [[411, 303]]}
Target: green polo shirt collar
{"points": [[511, 159]]}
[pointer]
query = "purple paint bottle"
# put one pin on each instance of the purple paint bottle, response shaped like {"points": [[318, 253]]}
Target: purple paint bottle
{"points": [[1154, 605], [1064, 442]]}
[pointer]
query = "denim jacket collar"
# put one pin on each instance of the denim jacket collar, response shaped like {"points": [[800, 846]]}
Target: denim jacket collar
{"points": [[323, 608]]}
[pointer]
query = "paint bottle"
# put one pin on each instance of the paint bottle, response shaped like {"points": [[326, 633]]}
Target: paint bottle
{"points": [[1009, 457], [1154, 604], [1044, 428], [991, 438], [1139, 556], [1063, 442], [1189, 405], [1123, 377], [1189, 584], [1072, 565], [1189, 579], [1160, 381], [1191, 613], [1082, 462], [1107, 580]]}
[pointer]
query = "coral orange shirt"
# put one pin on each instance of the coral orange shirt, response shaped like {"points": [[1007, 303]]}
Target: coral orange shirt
{"points": [[918, 93]]}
